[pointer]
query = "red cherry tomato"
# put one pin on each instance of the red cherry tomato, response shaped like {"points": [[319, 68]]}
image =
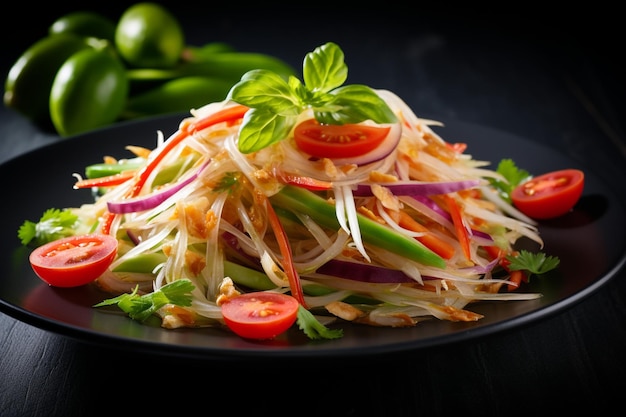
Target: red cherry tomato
{"points": [[260, 315], [74, 260], [338, 141], [549, 195]]}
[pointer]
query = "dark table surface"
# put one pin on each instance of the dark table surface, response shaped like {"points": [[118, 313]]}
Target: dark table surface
{"points": [[552, 80]]}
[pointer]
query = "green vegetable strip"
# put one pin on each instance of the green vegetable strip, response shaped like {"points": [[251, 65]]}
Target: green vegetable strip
{"points": [[143, 263], [301, 200], [247, 276], [257, 280], [104, 169]]}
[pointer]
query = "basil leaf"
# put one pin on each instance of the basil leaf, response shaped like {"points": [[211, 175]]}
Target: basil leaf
{"points": [[265, 89], [275, 103], [261, 128], [324, 68], [354, 104]]}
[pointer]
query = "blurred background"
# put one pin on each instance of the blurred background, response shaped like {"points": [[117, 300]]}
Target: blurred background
{"points": [[571, 45], [445, 60]]}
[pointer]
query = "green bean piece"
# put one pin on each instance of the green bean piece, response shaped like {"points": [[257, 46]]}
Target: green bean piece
{"points": [[320, 210]]}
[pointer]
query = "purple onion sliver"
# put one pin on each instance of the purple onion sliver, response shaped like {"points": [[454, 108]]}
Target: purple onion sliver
{"points": [[416, 188], [363, 272]]}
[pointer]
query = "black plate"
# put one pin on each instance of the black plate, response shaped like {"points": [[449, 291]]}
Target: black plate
{"points": [[585, 240]]}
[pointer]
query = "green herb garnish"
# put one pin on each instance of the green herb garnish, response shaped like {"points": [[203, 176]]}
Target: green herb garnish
{"points": [[54, 224], [532, 263], [229, 182], [275, 103], [313, 328], [141, 307], [513, 175]]}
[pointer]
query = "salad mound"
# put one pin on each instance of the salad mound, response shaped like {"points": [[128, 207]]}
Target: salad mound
{"points": [[336, 195]]}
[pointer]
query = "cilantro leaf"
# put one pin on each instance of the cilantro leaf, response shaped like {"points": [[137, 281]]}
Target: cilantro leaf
{"points": [[275, 103], [533, 263], [54, 224], [513, 176], [230, 181], [141, 307], [313, 328]]}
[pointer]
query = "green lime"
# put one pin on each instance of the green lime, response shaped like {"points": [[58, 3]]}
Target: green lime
{"points": [[149, 36], [28, 83], [84, 23], [89, 91]]}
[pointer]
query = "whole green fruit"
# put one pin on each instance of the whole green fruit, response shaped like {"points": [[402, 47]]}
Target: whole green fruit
{"points": [[149, 36], [28, 83], [84, 23], [178, 95], [89, 91]]}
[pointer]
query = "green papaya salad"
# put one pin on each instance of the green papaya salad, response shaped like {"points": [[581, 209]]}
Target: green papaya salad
{"points": [[305, 203]]}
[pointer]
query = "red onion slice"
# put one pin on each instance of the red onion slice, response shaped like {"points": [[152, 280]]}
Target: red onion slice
{"points": [[363, 272], [147, 202], [418, 188]]}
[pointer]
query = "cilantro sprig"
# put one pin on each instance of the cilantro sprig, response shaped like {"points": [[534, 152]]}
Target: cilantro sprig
{"points": [[54, 224], [313, 328], [513, 176], [532, 263], [230, 181], [141, 307], [275, 103]]}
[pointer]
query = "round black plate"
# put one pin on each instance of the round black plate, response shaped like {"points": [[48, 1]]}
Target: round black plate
{"points": [[586, 241]]}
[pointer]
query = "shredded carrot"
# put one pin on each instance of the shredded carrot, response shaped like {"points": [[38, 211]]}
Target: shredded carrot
{"points": [[458, 147], [107, 222], [515, 279], [430, 240], [229, 115], [494, 252], [306, 182], [285, 250], [457, 219], [107, 181]]}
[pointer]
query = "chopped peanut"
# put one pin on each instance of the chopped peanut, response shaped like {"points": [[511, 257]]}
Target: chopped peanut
{"points": [[227, 291], [344, 310]]}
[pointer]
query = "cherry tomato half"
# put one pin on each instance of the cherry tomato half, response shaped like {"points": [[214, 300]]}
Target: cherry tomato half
{"points": [[549, 195], [338, 141], [260, 315], [74, 260]]}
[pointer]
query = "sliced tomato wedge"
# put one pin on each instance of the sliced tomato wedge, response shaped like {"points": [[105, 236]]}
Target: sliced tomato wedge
{"points": [[260, 315], [75, 260], [549, 195], [338, 141]]}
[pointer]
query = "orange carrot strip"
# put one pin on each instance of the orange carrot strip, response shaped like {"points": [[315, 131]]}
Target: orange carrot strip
{"points": [[494, 252], [107, 181], [430, 240], [516, 277], [285, 249], [457, 219], [306, 182], [107, 222]]}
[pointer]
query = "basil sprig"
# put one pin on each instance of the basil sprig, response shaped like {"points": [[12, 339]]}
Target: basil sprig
{"points": [[275, 103]]}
